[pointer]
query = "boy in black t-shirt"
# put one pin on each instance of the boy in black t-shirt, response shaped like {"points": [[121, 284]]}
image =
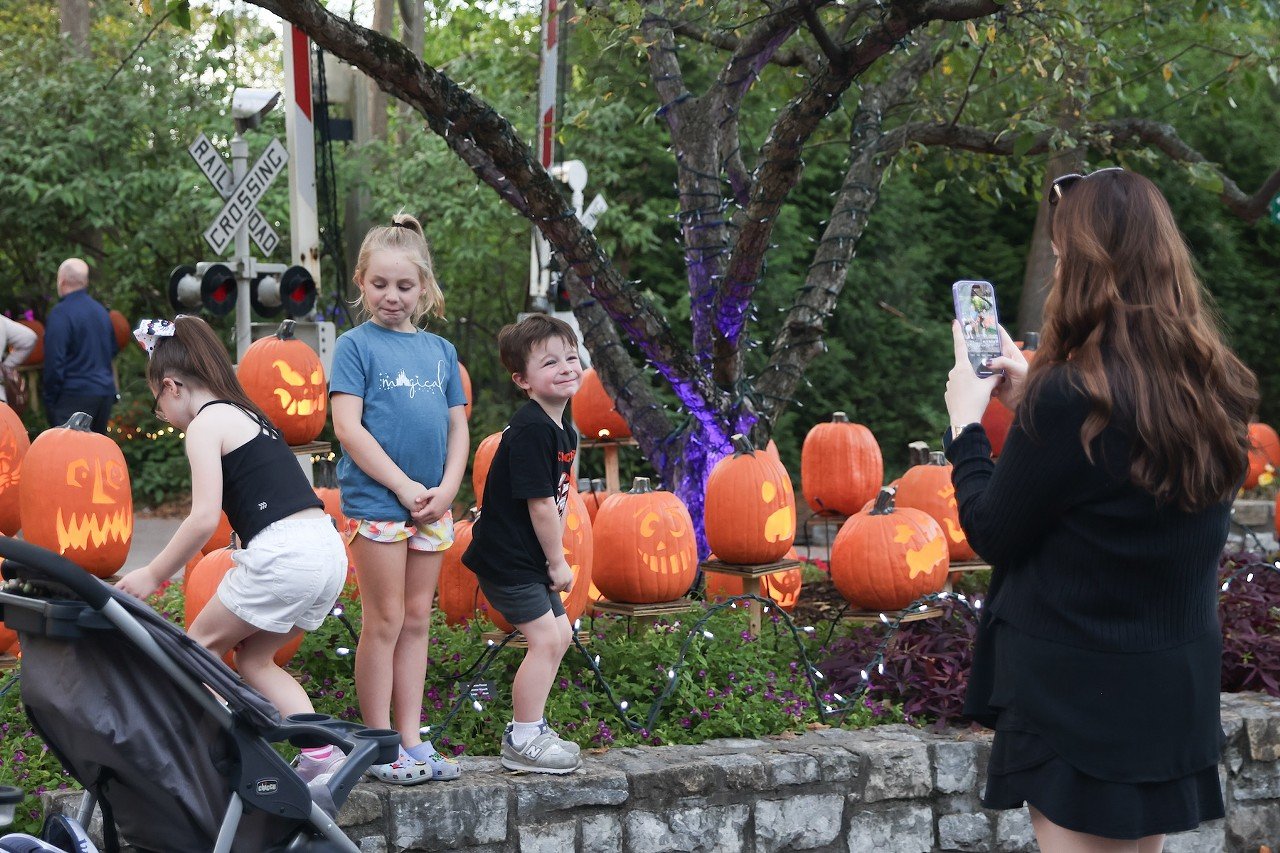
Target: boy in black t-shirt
{"points": [[516, 551]]}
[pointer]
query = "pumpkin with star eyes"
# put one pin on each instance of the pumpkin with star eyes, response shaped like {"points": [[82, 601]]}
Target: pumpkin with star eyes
{"points": [[750, 511], [579, 552], [481, 464], [594, 411], [840, 466], [887, 557], [200, 583], [928, 487], [75, 498], [645, 548], [285, 378], [14, 444], [782, 587]]}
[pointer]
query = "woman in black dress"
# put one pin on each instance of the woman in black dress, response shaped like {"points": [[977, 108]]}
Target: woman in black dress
{"points": [[1098, 658]]}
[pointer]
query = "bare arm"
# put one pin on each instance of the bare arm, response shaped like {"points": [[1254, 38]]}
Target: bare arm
{"points": [[457, 449], [367, 453], [549, 527]]}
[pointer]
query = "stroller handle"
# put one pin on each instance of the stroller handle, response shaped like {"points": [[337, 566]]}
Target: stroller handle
{"points": [[57, 568]]}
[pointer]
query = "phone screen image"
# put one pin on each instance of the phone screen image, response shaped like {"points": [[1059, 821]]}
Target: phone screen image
{"points": [[975, 303]]}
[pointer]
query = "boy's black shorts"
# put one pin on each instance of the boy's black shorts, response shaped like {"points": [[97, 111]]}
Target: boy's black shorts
{"points": [[523, 602]]}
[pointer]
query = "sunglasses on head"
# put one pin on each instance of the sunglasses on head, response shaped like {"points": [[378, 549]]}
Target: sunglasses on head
{"points": [[1060, 185]]}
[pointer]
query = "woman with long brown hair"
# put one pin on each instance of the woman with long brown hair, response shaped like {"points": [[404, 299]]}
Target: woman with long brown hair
{"points": [[1098, 657]]}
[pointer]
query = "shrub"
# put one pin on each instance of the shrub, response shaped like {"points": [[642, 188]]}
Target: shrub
{"points": [[1249, 609]]}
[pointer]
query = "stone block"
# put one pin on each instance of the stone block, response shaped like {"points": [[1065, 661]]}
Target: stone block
{"points": [[835, 764], [693, 829], [798, 823], [1014, 832], [548, 837], [964, 832], [363, 805], [743, 771], [1251, 826], [955, 765], [790, 768], [1207, 838], [655, 775], [896, 769], [901, 828], [1264, 736], [602, 833], [593, 785], [734, 744], [1257, 780], [448, 816], [373, 844]]}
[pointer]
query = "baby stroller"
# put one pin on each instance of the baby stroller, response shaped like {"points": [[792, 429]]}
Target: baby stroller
{"points": [[172, 745]]}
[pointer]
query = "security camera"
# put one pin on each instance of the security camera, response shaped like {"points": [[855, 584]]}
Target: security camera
{"points": [[248, 106]]}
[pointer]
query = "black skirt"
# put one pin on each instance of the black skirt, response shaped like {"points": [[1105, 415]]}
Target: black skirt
{"points": [[1066, 740]]}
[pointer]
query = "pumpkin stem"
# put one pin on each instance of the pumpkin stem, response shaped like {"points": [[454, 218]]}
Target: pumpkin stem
{"points": [[79, 421], [742, 444], [1032, 341], [918, 453], [640, 486], [597, 485], [285, 332], [937, 457], [884, 501], [839, 418], [473, 514]]}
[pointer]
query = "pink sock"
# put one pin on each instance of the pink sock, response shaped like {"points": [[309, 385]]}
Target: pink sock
{"points": [[318, 753]]}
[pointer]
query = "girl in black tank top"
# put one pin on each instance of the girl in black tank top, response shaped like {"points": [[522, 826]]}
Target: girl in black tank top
{"points": [[291, 564]]}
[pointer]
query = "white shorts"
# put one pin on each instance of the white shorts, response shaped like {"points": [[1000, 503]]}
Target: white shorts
{"points": [[290, 575]]}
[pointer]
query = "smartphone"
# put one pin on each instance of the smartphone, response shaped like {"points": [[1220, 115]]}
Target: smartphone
{"points": [[975, 304]]}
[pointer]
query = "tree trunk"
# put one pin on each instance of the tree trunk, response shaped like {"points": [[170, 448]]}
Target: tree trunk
{"points": [[413, 19], [1038, 277], [383, 12], [74, 18]]}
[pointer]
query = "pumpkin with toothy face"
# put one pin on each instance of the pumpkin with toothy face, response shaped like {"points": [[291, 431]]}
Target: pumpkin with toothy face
{"points": [[645, 548], [285, 378], [13, 447], [76, 498]]}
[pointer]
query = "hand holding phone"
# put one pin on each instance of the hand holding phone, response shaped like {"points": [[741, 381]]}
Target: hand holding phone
{"points": [[975, 306]]}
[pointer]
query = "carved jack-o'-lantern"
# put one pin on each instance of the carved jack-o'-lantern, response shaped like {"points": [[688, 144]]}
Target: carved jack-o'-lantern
{"points": [[285, 378], [840, 466], [594, 411], [782, 587], [928, 487], [579, 553], [481, 463], [13, 447], [76, 499], [646, 550], [750, 510], [200, 584], [886, 558]]}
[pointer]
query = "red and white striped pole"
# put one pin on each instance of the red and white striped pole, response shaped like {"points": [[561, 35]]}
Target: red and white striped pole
{"points": [[304, 220], [548, 74]]}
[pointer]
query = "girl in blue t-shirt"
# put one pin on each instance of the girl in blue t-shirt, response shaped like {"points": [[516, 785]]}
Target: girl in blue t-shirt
{"points": [[399, 412]]}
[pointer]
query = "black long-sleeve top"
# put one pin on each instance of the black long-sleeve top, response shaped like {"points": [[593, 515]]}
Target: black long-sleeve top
{"points": [[1113, 594]]}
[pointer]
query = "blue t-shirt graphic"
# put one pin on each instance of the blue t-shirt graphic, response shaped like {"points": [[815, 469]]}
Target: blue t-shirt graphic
{"points": [[409, 381]]}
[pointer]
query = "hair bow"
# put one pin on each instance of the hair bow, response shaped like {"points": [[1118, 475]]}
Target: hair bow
{"points": [[149, 331]]}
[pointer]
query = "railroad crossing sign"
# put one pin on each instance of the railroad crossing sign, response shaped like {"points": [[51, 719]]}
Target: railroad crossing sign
{"points": [[240, 207]]}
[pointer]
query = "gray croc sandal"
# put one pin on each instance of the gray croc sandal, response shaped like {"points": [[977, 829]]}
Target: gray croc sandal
{"points": [[405, 770], [442, 767]]}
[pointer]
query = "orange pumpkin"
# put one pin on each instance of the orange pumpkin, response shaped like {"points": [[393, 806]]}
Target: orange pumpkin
{"points": [[750, 512], [998, 417], [466, 386], [594, 411], [840, 466], [285, 378], [579, 553], [1264, 450], [221, 536], [76, 498], [485, 452], [332, 506], [36, 356], [14, 444], [201, 584], [120, 325], [886, 558], [782, 587], [458, 591], [593, 498], [646, 551], [928, 487], [7, 638]]}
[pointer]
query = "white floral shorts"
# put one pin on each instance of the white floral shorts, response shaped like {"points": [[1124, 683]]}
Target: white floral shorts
{"points": [[437, 536]]}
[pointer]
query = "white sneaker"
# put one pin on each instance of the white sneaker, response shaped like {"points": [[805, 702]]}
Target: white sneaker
{"points": [[545, 752]]}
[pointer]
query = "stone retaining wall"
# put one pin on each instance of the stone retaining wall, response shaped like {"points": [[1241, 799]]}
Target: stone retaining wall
{"points": [[891, 788]]}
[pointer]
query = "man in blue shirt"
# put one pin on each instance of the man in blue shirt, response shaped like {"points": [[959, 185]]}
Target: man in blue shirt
{"points": [[79, 344]]}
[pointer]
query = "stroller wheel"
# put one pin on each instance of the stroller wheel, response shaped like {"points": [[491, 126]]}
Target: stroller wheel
{"points": [[66, 834]]}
